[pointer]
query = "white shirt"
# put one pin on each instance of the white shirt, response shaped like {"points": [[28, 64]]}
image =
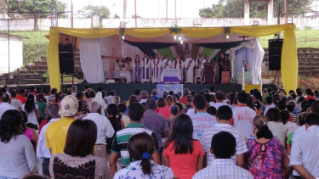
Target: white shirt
{"points": [[5, 107], [243, 120], [32, 118], [278, 130], [126, 120], [217, 105], [290, 127], [268, 107], [304, 151], [300, 130], [42, 150], [109, 99], [191, 111], [208, 134], [104, 127], [223, 169], [201, 121], [16, 103]]}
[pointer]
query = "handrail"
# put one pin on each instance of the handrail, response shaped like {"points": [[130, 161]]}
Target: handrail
{"points": [[310, 82]]}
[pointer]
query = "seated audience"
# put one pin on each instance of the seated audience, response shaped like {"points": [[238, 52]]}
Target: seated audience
{"points": [[275, 125], [77, 160], [104, 128], [266, 156], [183, 154], [17, 157], [140, 148], [224, 117], [304, 156], [119, 144], [223, 147]]}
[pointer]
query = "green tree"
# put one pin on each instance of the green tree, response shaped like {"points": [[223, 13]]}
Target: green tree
{"points": [[34, 9], [102, 11], [235, 8], [116, 16]]}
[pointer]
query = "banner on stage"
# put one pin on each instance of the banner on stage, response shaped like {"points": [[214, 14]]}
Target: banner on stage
{"points": [[169, 87]]}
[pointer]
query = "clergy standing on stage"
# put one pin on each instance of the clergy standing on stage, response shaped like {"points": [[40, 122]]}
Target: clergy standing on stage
{"points": [[178, 64], [156, 69], [146, 70], [137, 69], [200, 66], [189, 69], [166, 63]]}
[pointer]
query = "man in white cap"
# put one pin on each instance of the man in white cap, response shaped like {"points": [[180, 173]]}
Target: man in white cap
{"points": [[55, 135]]}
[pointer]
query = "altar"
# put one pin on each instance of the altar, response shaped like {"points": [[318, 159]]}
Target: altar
{"points": [[171, 76]]}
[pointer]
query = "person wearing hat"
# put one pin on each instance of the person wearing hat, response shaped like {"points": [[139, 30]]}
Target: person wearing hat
{"points": [[56, 132]]}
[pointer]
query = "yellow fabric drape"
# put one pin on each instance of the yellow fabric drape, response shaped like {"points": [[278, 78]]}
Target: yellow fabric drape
{"points": [[289, 62]]}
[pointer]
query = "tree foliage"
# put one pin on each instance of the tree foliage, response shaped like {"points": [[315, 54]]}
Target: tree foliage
{"points": [[235, 8], [102, 11], [34, 9]]}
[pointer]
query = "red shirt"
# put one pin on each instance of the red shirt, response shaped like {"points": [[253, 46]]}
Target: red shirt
{"points": [[165, 111], [44, 122], [183, 100], [310, 97], [22, 99], [184, 165]]}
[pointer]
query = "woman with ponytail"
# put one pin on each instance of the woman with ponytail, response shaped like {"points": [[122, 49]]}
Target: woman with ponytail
{"points": [[266, 156], [141, 146]]}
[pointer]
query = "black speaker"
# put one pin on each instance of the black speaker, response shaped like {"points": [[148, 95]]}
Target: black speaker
{"points": [[66, 58], [275, 46]]}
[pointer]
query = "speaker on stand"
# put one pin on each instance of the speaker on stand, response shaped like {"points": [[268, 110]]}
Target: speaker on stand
{"points": [[66, 59], [275, 48]]}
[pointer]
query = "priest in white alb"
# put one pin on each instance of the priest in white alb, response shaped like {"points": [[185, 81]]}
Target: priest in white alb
{"points": [[146, 70], [166, 63], [156, 69], [189, 69], [199, 67], [178, 64]]}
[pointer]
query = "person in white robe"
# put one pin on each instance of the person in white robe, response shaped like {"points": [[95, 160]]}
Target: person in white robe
{"points": [[137, 69], [178, 64], [156, 69], [128, 69], [189, 69], [166, 63], [146, 64], [200, 67]]}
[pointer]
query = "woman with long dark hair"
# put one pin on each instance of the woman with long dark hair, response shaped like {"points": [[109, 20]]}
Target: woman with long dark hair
{"points": [[266, 155], [31, 109], [17, 157], [141, 146], [183, 154], [78, 160], [115, 119]]}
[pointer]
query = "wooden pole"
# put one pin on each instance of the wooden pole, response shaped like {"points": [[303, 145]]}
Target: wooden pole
{"points": [[175, 13], [135, 14]]}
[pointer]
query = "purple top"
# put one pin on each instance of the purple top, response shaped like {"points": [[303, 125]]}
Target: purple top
{"points": [[155, 122], [266, 164]]}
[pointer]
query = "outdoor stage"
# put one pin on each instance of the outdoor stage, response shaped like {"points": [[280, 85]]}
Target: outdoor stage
{"points": [[126, 90]]}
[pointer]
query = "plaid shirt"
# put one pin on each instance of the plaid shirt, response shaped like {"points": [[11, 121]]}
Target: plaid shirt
{"points": [[223, 169]]}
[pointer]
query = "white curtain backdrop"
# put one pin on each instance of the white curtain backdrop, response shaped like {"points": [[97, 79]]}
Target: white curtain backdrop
{"points": [[130, 51], [91, 62], [259, 57]]}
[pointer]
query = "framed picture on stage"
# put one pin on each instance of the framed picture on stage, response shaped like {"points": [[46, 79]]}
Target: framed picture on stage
{"points": [[225, 77]]}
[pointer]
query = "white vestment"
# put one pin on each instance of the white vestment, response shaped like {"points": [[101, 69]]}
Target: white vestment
{"points": [[156, 70], [146, 74], [166, 64], [179, 64], [189, 70], [199, 65]]}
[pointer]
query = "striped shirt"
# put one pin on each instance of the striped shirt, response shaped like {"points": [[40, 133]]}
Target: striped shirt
{"points": [[208, 134], [223, 168], [121, 138]]}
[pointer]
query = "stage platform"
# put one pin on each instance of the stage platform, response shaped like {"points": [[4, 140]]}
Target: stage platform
{"points": [[126, 90]]}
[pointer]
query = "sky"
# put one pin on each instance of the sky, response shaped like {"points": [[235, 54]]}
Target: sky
{"points": [[149, 8]]}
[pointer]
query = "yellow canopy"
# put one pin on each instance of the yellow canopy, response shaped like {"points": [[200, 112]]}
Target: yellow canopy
{"points": [[289, 61]]}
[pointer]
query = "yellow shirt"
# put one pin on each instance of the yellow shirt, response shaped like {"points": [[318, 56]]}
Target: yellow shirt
{"points": [[55, 135]]}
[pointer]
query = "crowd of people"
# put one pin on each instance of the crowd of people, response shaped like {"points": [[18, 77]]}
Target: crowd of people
{"points": [[270, 134]]}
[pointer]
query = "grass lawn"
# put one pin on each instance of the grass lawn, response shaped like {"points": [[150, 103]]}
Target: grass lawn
{"points": [[305, 38]]}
